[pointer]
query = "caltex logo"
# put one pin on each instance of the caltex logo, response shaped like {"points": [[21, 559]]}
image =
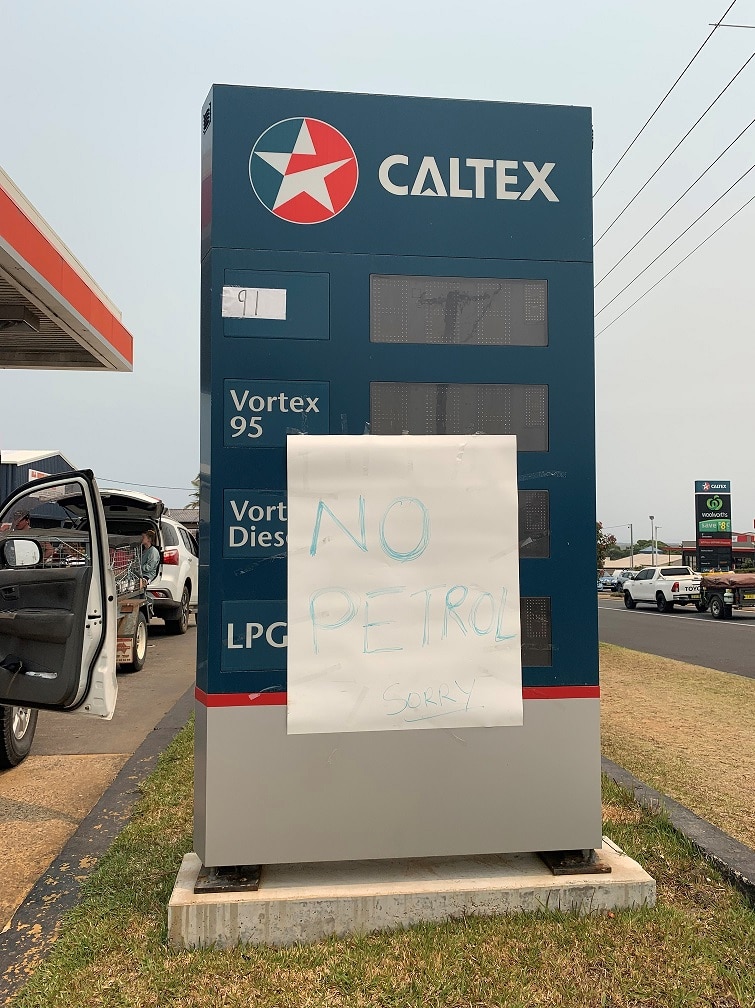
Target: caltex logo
{"points": [[303, 170]]}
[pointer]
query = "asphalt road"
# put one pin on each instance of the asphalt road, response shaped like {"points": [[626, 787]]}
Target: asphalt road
{"points": [[143, 698], [684, 634]]}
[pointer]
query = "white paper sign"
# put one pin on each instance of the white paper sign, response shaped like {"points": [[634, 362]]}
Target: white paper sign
{"points": [[254, 302], [403, 583]]}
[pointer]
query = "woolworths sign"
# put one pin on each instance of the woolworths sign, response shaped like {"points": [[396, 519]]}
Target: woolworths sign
{"points": [[713, 524]]}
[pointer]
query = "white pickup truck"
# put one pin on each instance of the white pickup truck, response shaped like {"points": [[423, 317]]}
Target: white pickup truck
{"points": [[664, 587]]}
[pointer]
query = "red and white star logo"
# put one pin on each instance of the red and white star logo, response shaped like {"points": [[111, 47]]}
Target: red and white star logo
{"points": [[303, 170]]}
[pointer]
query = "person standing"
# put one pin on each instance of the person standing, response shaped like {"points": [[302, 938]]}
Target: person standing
{"points": [[21, 522]]}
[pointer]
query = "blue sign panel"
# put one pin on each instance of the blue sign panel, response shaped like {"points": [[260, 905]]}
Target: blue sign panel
{"points": [[259, 414], [417, 265], [397, 176], [254, 524], [254, 636], [712, 486]]}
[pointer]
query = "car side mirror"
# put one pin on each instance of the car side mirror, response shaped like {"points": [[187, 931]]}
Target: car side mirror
{"points": [[21, 553]]}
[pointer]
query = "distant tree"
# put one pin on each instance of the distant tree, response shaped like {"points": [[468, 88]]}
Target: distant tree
{"points": [[614, 552], [642, 544], [194, 502], [604, 542]]}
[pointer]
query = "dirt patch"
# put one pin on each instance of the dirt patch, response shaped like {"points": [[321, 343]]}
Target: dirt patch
{"points": [[685, 730], [41, 804]]}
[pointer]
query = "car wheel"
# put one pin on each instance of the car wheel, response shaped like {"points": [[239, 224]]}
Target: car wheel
{"points": [[17, 727], [140, 646], [180, 625], [717, 607], [629, 602], [661, 604]]}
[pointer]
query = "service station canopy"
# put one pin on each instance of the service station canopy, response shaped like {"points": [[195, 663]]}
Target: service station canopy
{"points": [[52, 314]]}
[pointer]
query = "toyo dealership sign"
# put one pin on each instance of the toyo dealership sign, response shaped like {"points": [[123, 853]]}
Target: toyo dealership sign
{"points": [[713, 524]]}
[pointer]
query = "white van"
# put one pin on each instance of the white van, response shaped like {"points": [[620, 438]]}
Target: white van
{"points": [[58, 609], [49, 537]]}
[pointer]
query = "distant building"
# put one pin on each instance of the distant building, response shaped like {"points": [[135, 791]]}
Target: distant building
{"points": [[188, 517], [742, 550], [644, 558], [19, 467]]}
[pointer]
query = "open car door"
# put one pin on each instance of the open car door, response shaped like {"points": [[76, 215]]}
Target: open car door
{"points": [[57, 600]]}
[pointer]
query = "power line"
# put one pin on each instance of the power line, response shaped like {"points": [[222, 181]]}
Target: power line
{"points": [[148, 486], [674, 204], [668, 156], [744, 205], [664, 99], [646, 268]]}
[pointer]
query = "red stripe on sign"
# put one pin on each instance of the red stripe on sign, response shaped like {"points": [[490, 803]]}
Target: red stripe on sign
{"points": [[560, 692], [240, 699], [280, 699]]}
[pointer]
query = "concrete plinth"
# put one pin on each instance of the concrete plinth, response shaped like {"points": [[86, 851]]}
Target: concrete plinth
{"points": [[304, 903]]}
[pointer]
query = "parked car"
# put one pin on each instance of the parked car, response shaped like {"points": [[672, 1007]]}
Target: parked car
{"points": [[174, 590], [58, 641], [665, 587], [606, 583], [50, 535], [17, 727], [623, 576]]}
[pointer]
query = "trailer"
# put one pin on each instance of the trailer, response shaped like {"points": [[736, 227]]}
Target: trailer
{"points": [[134, 604], [721, 593]]}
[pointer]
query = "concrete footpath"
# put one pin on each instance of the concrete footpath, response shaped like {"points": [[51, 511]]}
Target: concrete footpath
{"points": [[33, 928]]}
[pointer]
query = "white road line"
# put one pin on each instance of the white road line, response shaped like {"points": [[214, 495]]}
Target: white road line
{"points": [[678, 616]]}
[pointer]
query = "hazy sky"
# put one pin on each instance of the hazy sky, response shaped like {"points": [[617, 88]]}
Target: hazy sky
{"points": [[101, 129]]}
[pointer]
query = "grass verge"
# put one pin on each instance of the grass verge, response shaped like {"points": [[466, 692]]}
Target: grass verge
{"points": [[685, 730], [697, 948]]}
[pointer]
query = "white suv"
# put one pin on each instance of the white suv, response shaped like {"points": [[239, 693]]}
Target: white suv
{"points": [[174, 590]]}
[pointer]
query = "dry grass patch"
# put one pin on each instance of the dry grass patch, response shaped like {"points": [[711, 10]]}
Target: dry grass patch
{"points": [[685, 730], [617, 815]]}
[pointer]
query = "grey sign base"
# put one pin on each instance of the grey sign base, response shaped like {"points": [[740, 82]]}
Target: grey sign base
{"points": [[308, 902], [354, 797]]}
